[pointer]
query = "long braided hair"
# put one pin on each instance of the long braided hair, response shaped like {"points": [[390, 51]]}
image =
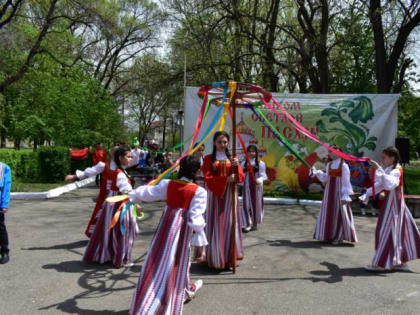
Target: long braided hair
{"points": [[392, 152], [257, 161], [121, 152], [218, 134], [189, 166]]}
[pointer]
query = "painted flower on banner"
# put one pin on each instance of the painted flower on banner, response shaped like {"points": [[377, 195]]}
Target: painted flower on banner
{"points": [[344, 124]]}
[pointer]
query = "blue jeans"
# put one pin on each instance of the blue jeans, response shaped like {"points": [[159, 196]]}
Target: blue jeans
{"points": [[4, 240]]}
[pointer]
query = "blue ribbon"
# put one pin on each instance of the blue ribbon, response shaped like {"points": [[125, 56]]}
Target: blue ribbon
{"points": [[122, 215], [217, 116]]}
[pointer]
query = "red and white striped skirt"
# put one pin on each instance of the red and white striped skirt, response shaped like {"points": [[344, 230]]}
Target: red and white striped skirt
{"points": [[397, 238], [164, 280], [252, 210], [110, 245], [219, 230], [335, 220]]}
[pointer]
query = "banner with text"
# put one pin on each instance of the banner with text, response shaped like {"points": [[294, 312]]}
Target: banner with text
{"points": [[360, 124]]}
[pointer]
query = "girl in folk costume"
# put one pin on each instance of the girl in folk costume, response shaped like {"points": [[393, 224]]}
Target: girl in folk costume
{"points": [[164, 283], [219, 178], [200, 155], [397, 238], [109, 242], [253, 203], [107, 171], [335, 220]]}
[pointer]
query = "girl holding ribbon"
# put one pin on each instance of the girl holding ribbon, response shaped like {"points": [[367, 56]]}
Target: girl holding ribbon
{"points": [[252, 211], [106, 170], [335, 222], [219, 176], [164, 283], [397, 238], [116, 228]]}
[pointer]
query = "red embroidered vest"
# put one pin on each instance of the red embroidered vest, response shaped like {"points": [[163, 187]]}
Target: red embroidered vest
{"points": [[180, 193]]}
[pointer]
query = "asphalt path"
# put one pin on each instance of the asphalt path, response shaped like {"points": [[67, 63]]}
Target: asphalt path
{"points": [[284, 271]]}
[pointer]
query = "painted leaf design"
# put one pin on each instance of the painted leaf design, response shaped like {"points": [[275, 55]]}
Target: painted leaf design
{"points": [[334, 119], [346, 104], [358, 134], [321, 126], [363, 111], [329, 112], [370, 146]]}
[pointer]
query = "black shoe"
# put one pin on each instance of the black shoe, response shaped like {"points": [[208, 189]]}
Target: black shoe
{"points": [[254, 228], [4, 258], [246, 229]]}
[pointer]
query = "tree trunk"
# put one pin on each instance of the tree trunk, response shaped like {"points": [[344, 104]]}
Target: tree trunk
{"points": [[17, 144], [387, 64], [3, 138], [164, 133]]}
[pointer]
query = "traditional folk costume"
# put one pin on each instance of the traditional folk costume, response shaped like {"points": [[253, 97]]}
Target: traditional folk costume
{"points": [[219, 212], [99, 155], [252, 211], [335, 220], [106, 170], [200, 178], [397, 238], [164, 283], [107, 244]]}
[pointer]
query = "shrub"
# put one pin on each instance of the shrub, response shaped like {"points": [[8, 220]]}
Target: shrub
{"points": [[47, 165], [54, 164], [24, 163]]}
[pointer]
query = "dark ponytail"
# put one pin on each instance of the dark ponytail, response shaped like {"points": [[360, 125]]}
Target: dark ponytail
{"points": [[257, 161], [121, 152], [218, 134], [188, 167], [392, 152]]}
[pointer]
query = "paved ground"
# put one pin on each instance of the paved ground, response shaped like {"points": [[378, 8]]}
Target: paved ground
{"points": [[284, 272]]}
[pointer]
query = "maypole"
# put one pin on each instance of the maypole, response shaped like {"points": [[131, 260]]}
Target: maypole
{"points": [[233, 185]]}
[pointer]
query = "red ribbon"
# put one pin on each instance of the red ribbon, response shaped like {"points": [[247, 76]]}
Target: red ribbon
{"points": [[200, 117], [310, 135], [248, 160]]}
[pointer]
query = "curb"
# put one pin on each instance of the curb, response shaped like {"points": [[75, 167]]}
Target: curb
{"points": [[52, 193], [56, 192], [289, 201]]}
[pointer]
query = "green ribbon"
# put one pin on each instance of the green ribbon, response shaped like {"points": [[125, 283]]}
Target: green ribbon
{"points": [[283, 139]]}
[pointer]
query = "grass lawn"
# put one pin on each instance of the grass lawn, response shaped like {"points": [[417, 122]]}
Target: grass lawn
{"points": [[34, 187], [412, 181], [310, 195]]}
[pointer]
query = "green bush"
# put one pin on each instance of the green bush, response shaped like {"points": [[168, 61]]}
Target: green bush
{"points": [[47, 165], [24, 163], [54, 164]]}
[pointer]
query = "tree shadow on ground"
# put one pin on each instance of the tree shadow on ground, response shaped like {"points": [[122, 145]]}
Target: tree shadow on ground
{"points": [[306, 244], [335, 274], [70, 307], [98, 281], [332, 274], [68, 246]]}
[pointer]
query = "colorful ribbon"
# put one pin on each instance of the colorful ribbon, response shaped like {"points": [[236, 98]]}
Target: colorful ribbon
{"points": [[249, 166], [261, 117], [222, 111], [310, 135], [119, 215]]}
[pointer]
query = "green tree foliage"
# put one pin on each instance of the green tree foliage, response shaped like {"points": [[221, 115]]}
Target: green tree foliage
{"points": [[409, 120], [63, 64]]}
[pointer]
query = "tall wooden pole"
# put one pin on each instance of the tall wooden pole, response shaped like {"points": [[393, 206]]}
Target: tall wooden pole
{"points": [[233, 185]]}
